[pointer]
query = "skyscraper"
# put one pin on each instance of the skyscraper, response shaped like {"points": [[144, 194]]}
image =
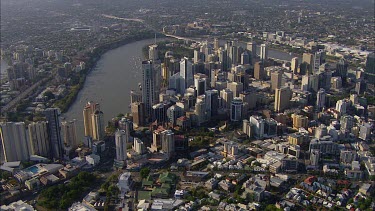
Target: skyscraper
{"points": [[98, 125], [121, 139], [370, 68], [259, 73], [186, 72], [342, 69], [276, 78], [54, 132], [294, 65], [212, 102], [227, 96], [308, 58], [168, 142], [252, 47], [138, 113], [173, 113], [235, 87], [14, 141], [38, 138], [282, 98], [263, 52], [236, 109], [321, 98], [149, 96], [88, 111], [69, 133], [200, 83], [153, 52]]}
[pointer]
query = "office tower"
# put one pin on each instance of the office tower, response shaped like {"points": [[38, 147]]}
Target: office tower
{"points": [[245, 58], [69, 134], [138, 113], [263, 52], [212, 102], [149, 96], [233, 55], [135, 96], [88, 111], [365, 131], [14, 141], [227, 96], [282, 98], [198, 56], [235, 87], [200, 110], [249, 97], [300, 121], [314, 157], [294, 65], [38, 138], [236, 108], [342, 69], [321, 99], [348, 156], [167, 142], [308, 58], [259, 72], [321, 131], [121, 140], [354, 98], [346, 123], [325, 79], [125, 124], [257, 123], [252, 47], [216, 44], [153, 52], [336, 83], [54, 132], [186, 72], [310, 83], [318, 60], [159, 112], [342, 106], [370, 68], [98, 130], [360, 86], [173, 113], [276, 78], [270, 127], [138, 146], [200, 83]]}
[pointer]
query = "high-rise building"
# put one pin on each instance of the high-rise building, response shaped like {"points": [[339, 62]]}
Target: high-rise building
{"points": [[370, 68], [314, 157], [135, 96], [138, 113], [121, 140], [68, 129], [54, 132], [227, 96], [346, 123], [342, 106], [365, 131], [149, 96], [342, 69], [300, 121], [138, 146], [235, 87], [98, 130], [200, 110], [245, 58], [308, 58], [282, 98], [263, 52], [310, 83], [212, 102], [38, 138], [276, 78], [186, 72], [153, 52], [173, 113], [167, 142], [252, 47], [88, 111], [216, 44], [200, 83], [125, 124], [258, 124], [321, 98], [259, 72], [14, 143], [318, 60], [294, 65], [236, 109], [159, 112]]}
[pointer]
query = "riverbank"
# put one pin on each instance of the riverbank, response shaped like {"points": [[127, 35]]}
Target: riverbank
{"points": [[93, 57]]}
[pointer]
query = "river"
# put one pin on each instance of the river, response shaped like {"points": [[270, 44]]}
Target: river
{"points": [[109, 83]]}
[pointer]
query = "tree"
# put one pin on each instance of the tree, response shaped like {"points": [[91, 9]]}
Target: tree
{"points": [[145, 172]]}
